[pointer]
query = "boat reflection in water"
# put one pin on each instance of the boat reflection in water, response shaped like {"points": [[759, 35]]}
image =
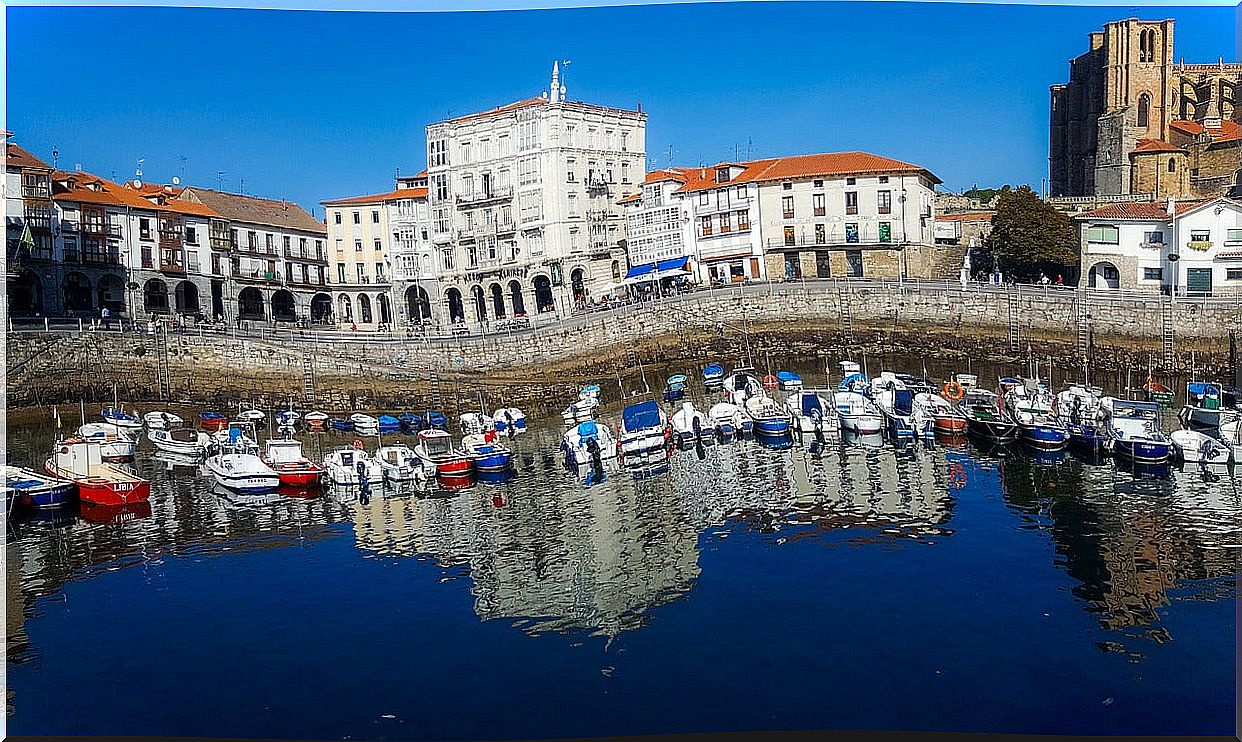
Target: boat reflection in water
{"points": [[115, 514]]}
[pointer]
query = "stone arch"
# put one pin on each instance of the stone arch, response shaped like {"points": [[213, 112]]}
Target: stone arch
{"points": [[616, 270], [321, 308], [1104, 275], [26, 295], [364, 309], [498, 300], [347, 308], [77, 292], [284, 306], [515, 298], [480, 303], [385, 311], [155, 296], [1172, 165], [544, 300], [250, 304], [1144, 110], [185, 296], [417, 304], [456, 308], [577, 282], [111, 292]]}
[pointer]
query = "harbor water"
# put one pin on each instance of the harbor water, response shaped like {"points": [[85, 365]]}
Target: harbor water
{"points": [[748, 587]]}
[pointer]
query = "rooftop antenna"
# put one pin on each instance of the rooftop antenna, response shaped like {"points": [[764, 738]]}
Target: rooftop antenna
{"points": [[55, 156], [183, 161], [242, 186], [138, 169], [220, 180], [750, 147]]}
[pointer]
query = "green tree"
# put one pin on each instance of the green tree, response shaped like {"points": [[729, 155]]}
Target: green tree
{"points": [[1030, 236]]}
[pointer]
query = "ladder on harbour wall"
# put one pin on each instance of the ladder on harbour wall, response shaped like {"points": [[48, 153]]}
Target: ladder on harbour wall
{"points": [[847, 317], [1166, 333], [1081, 325], [1015, 337], [162, 373], [308, 381]]}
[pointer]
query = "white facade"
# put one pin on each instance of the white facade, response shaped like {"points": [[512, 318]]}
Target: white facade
{"points": [[1128, 246], [724, 224], [523, 204]]}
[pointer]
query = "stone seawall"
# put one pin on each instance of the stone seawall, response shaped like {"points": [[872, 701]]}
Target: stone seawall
{"points": [[785, 318]]}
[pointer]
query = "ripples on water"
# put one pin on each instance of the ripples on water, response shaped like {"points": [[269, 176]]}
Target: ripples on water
{"points": [[546, 554]]}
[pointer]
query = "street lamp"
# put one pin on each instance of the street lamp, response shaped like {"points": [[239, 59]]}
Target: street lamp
{"points": [[1173, 258]]}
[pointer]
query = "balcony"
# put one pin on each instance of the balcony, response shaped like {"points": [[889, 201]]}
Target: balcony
{"points": [[1152, 245], [778, 244], [257, 276], [68, 226], [100, 228], [486, 230], [499, 193], [40, 191], [222, 242], [1200, 245]]}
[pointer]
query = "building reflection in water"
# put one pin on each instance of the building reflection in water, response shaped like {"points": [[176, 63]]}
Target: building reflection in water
{"points": [[559, 556], [1130, 540]]}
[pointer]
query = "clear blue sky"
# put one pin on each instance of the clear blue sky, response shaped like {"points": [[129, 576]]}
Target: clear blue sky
{"points": [[316, 105]]}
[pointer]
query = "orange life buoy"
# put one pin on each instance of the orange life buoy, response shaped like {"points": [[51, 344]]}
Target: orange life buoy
{"points": [[953, 391], [769, 381], [357, 444], [957, 475]]}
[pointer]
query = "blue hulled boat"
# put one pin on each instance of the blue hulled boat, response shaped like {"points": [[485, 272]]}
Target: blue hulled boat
{"points": [[31, 489], [342, 424], [1030, 403], [436, 420], [389, 424], [410, 423], [788, 381], [713, 375], [675, 389], [1134, 433]]}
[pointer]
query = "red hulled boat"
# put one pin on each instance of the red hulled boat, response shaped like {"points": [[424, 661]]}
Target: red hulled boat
{"points": [[436, 450], [285, 457], [99, 483]]}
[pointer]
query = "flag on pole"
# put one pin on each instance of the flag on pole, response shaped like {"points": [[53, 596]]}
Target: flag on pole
{"points": [[27, 242], [56, 416]]}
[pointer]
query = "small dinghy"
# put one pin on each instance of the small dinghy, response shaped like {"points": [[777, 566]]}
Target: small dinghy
{"points": [[341, 424], [690, 425], [769, 417], [316, 422], [436, 420], [364, 424], [489, 454], [946, 418], [212, 421], [186, 442], [389, 424], [253, 417], [509, 420], [120, 418], [713, 376], [162, 420], [788, 381], [80, 461], [33, 490], [288, 419], [410, 423], [399, 463], [588, 441], [580, 411], [352, 467], [675, 388], [285, 457], [1196, 447]]}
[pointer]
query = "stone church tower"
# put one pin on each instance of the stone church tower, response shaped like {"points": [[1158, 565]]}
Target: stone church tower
{"points": [[1119, 126]]}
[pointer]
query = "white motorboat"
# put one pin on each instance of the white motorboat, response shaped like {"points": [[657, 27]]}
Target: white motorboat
{"points": [[945, 417], [235, 464], [741, 385], [1196, 447], [769, 417], [1132, 427], [252, 417], [162, 420], [120, 418], [399, 463], [690, 424], [115, 443], [581, 410], [730, 419], [364, 424], [180, 441], [509, 420], [896, 403], [644, 428], [1205, 405], [1231, 434], [813, 410], [475, 423], [587, 440], [351, 466]]}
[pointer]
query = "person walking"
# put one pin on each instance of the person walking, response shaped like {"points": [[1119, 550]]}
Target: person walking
{"points": [[106, 316]]}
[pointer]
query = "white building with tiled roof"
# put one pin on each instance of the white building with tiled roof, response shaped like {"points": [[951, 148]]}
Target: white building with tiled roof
{"points": [[523, 202], [1129, 246]]}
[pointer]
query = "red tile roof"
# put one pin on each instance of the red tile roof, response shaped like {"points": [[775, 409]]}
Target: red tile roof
{"points": [[1144, 210], [1156, 145], [1190, 128], [507, 108], [631, 198], [1229, 131], [15, 156], [265, 212], [655, 176], [969, 216], [398, 195], [801, 166]]}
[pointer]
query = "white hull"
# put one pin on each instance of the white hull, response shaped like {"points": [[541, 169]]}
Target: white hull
{"points": [[242, 472], [159, 438], [1197, 448], [642, 442]]}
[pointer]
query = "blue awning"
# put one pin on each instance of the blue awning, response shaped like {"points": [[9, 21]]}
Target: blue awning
{"points": [[641, 270], [672, 264]]}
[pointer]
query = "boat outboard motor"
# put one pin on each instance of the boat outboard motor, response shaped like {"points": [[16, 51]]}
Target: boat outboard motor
{"points": [[508, 423], [817, 421], [697, 427], [361, 468]]}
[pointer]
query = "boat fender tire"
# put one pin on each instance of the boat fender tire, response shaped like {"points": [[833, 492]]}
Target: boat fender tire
{"points": [[953, 391], [357, 444]]}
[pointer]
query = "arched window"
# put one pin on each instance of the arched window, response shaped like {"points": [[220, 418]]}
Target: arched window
{"points": [[1147, 45], [1144, 110], [1172, 165]]}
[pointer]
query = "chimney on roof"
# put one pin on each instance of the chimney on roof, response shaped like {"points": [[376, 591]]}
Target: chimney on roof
{"points": [[1171, 207]]}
